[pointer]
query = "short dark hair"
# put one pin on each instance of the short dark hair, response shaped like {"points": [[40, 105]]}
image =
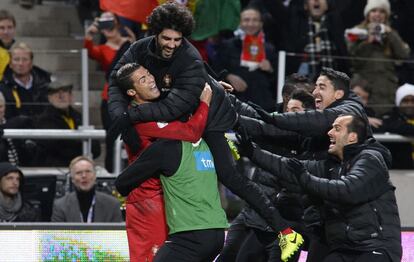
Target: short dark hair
{"points": [[295, 81], [255, 8], [340, 80], [307, 99], [358, 125], [6, 15], [171, 16], [356, 80], [123, 76]]}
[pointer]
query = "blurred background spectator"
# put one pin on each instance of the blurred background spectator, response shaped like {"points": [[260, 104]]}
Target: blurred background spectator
{"points": [[314, 30], [85, 204], [300, 100], [60, 114], [16, 151], [107, 54], [7, 33], [370, 43], [13, 207], [400, 120], [250, 61], [361, 88], [292, 83], [24, 84]]}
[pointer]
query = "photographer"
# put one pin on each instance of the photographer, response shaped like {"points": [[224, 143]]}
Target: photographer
{"points": [[375, 39], [106, 55]]}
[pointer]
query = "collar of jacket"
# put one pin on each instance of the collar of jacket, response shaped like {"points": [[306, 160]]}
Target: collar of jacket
{"points": [[58, 111], [7, 47], [396, 112], [351, 97], [40, 76], [352, 150], [152, 49]]}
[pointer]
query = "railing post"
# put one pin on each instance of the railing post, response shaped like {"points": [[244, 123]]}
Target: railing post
{"points": [[117, 156], [87, 143], [281, 70]]}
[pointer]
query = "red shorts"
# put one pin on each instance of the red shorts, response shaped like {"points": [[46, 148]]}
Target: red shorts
{"points": [[146, 228]]}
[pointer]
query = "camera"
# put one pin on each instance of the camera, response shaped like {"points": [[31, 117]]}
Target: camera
{"points": [[107, 24], [377, 30]]}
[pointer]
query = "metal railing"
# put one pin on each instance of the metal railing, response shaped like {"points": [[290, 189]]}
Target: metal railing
{"points": [[86, 132]]}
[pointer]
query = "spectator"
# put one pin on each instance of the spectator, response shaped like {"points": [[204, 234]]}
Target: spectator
{"points": [[85, 204], [250, 61], [292, 83], [60, 115], [13, 207], [24, 86], [15, 151], [361, 219], [375, 39], [315, 29], [300, 100], [360, 87], [107, 55], [400, 120], [7, 32]]}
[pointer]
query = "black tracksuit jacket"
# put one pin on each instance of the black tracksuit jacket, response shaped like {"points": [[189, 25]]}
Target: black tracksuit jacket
{"points": [[186, 73], [359, 208]]}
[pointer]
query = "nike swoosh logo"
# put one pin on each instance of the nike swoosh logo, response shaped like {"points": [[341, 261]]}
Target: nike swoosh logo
{"points": [[376, 253], [162, 124], [294, 240]]}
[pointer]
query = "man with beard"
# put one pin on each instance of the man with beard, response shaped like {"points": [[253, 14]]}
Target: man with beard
{"points": [[13, 207], [356, 197]]}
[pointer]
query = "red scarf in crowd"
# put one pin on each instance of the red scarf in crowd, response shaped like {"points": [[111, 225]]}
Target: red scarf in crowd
{"points": [[253, 51]]}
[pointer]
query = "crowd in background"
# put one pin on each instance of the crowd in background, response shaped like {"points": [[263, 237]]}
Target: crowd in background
{"points": [[369, 40], [326, 41]]}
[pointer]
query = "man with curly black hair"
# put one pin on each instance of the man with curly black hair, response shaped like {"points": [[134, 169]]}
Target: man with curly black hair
{"points": [[180, 75]]}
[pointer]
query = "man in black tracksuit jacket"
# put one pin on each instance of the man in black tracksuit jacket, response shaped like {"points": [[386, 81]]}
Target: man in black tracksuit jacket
{"points": [[180, 74], [332, 97], [359, 209]]}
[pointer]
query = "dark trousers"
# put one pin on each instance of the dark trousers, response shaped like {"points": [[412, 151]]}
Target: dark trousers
{"points": [[244, 244], [355, 256], [239, 184], [192, 246], [259, 244], [234, 239]]}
